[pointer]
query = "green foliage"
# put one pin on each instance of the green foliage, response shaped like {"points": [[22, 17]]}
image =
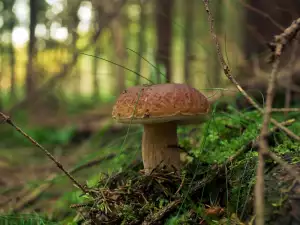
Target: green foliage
{"points": [[213, 143], [44, 136], [226, 134]]}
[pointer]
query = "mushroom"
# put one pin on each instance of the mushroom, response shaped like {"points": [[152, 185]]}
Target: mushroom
{"points": [[160, 108]]}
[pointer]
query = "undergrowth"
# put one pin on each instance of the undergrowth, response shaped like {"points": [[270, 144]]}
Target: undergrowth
{"points": [[208, 192], [130, 197]]}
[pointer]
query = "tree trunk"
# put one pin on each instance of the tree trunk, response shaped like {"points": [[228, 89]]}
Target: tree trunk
{"points": [[73, 26], [1, 69], [96, 86], [188, 39], [96, 93], [213, 62], [12, 61], [118, 37], [30, 76], [141, 41], [164, 36]]}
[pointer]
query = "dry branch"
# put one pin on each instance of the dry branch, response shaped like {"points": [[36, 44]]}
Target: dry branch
{"points": [[264, 148], [280, 42]]}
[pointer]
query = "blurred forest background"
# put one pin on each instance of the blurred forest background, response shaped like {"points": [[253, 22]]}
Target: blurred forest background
{"points": [[63, 63], [43, 43]]}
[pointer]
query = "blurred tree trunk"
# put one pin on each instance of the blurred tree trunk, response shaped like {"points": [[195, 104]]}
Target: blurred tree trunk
{"points": [[118, 36], [213, 61], [141, 42], [1, 68], [30, 75], [8, 25], [12, 60], [11, 53], [73, 23], [188, 39], [96, 86], [164, 36], [118, 39]]}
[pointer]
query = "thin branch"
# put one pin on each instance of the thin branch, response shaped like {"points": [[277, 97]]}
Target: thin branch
{"points": [[281, 41], [8, 120], [264, 148]]}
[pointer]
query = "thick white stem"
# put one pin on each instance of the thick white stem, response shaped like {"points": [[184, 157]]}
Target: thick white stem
{"points": [[159, 146]]}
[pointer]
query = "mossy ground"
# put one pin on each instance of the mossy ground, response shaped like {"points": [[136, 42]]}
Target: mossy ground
{"points": [[211, 189]]}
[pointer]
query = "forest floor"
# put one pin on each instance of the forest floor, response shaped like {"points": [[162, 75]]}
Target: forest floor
{"points": [[216, 185]]}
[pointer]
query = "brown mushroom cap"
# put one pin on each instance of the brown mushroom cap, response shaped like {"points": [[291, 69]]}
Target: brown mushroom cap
{"points": [[161, 103]]}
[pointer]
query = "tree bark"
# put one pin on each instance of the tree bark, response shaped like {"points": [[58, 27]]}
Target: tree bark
{"points": [[12, 60], [164, 36], [30, 75], [141, 41], [1, 69], [96, 85], [118, 36], [213, 62], [188, 39], [96, 93]]}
